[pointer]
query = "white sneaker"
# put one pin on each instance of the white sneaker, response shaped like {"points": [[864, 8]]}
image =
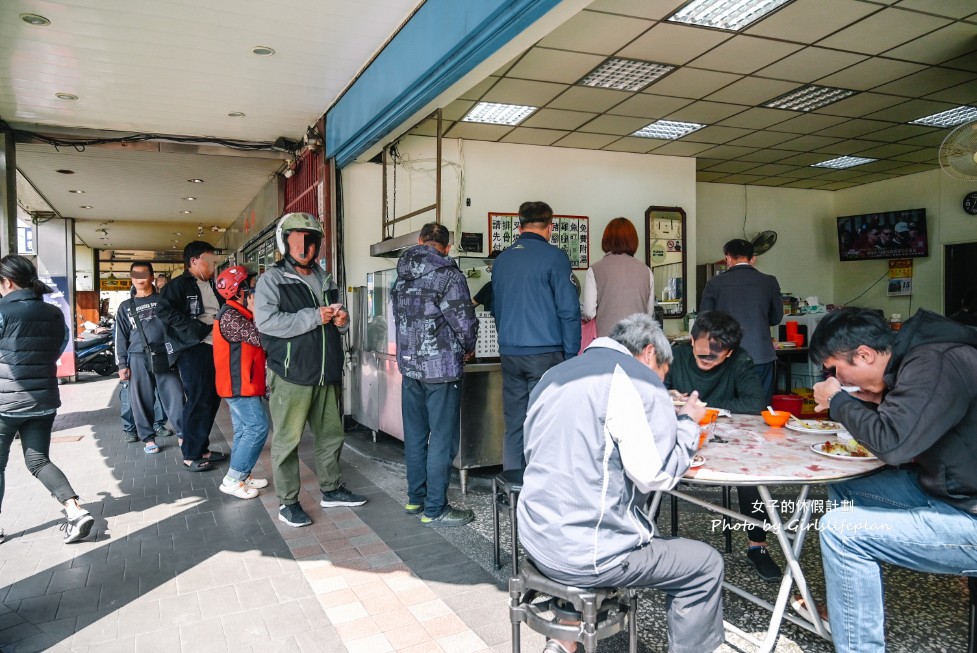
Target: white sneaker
{"points": [[77, 528], [239, 490], [256, 483]]}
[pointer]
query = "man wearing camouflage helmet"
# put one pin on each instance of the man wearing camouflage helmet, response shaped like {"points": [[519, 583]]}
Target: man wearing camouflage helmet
{"points": [[300, 318]]}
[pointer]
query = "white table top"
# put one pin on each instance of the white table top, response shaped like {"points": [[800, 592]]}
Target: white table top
{"points": [[757, 454]]}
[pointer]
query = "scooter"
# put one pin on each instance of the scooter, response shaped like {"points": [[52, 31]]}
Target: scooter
{"points": [[95, 353]]}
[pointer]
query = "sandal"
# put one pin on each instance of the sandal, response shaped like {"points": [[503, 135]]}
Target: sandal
{"points": [[151, 447], [198, 466], [215, 456], [800, 607]]}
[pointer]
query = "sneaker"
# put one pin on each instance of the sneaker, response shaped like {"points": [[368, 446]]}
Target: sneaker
{"points": [[413, 508], [3, 536], [131, 437], [238, 489], [293, 515], [341, 497], [766, 568], [77, 528], [256, 483], [449, 518], [164, 432]]}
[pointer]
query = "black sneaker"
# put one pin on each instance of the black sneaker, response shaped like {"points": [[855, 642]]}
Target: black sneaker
{"points": [[341, 497], [765, 566], [131, 436], [293, 515], [77, 528], [164, 432], [449, 518]]}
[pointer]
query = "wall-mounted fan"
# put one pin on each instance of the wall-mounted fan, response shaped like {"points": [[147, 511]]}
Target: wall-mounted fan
{"points": [[958, 153], [763, 241]]}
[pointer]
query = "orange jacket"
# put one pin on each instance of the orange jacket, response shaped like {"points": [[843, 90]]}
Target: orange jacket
{"points": [[239, 365]]}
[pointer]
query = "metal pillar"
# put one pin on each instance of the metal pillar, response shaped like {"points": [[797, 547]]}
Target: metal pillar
{"points": [[8, 194]]}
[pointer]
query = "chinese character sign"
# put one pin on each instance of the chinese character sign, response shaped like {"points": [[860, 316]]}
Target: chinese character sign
{"points": [[571, 233]]}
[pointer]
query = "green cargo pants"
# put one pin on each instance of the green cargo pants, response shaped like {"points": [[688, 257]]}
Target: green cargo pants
{"points": [[291, 407]]}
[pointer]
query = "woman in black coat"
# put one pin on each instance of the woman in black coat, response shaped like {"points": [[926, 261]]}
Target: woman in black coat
{"points": [[32, 336]]}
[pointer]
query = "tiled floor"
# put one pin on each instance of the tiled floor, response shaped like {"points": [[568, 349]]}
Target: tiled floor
{"points": [[175, 565]]}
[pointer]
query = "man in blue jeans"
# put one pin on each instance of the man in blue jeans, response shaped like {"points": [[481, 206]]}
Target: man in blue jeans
{"points": [[537, 313], [436, 333], [915, 407]]}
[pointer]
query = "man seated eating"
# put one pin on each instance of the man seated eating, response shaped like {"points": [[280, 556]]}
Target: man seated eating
{"points": [[715, 365]]}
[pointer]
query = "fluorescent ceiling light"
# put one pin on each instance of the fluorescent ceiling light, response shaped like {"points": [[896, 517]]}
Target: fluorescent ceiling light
{"points": [[948, 118], [725, 14], [625, 74], [843, 162], [498, 114], [667, 129], [809, 98]]}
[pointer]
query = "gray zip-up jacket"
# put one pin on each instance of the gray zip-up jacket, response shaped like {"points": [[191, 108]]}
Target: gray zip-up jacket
{"points": [[601, 435]]}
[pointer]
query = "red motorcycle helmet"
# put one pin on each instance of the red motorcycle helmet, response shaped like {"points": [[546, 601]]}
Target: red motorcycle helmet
{"points": [[229, 281]]}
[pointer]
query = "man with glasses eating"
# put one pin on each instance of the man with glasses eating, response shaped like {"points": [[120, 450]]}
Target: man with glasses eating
{"points": [[722, 371]]}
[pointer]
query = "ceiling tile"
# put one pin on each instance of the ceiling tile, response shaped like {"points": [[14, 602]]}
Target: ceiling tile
{"points": [[701, 163], [861, 105], [478, 90], [763, 139], [594, 32], [582, 98], [887, 29], [619, 125], [692, 82], [948, 8], [806, 159], [910, 110], [679, 148], [810, 64], [952, 41], [717, 134], [807, 143], [801, 183], [521, 91], [457, 109], [649, 106], [805, 123], [853, 128], [745, 54], [927, 140], [674, 44], [914, 168], [966, 62], [430, 128], [478, 131], [742, 179], [922, 155], [752, 90], [878, 176], [837, 185], [898, 133], [927, 81], [765, 156], [870, 73], [726, 152], [555, 65], [962, 94], [885, 151], [585, 141], [758, 118], [705, 112], [732, 166], [557, 119], [502, 71], [882, 166], [807, 172], [632, 144], [807, 21], [844, 148], [530, 136], [774, 169], [841, 175], [654, 9], [709, 176], [771, 181]]}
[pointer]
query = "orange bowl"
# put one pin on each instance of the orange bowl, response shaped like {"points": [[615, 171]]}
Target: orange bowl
{"points": [[779, 419]]}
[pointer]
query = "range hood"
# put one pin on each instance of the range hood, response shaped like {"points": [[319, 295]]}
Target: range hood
{"points": [[394, 247]]}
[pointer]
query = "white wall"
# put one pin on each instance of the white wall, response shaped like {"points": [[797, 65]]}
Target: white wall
{"points": [[498, 177], [804, 258]]}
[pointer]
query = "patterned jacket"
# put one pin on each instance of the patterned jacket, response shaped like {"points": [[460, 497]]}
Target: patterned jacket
{"points": [[434, 315]]}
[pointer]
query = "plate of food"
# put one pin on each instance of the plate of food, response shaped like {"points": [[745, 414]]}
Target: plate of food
{"points": [[697, 461], [814, 426], [850, 450]]}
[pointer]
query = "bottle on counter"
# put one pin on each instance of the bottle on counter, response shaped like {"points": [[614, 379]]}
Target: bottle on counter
{"points": [[895, 322]]}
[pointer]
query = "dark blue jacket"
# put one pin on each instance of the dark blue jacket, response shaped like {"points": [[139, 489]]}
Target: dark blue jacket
{"points": [[536, 307], [434, 314], [754, 299]]}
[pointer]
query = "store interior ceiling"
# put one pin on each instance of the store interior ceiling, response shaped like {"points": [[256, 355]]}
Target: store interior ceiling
{"points": [[174, 68]]}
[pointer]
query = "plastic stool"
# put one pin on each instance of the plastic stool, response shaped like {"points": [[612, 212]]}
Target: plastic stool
{"points": [[505, 492], [601, 611]]}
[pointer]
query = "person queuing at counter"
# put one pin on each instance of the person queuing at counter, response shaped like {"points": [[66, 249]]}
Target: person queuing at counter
{"points": [[537, 314], [967, 314], [715, 364], [916, 408], [32, 336], [601, 435], [618, 285], [187, 307], [239, 362], [144, 388], [436, 332], [754, 299], [300, 318]]}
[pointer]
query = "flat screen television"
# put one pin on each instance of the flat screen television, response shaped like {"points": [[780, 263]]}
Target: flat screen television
{"points": [[894, 234]]}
